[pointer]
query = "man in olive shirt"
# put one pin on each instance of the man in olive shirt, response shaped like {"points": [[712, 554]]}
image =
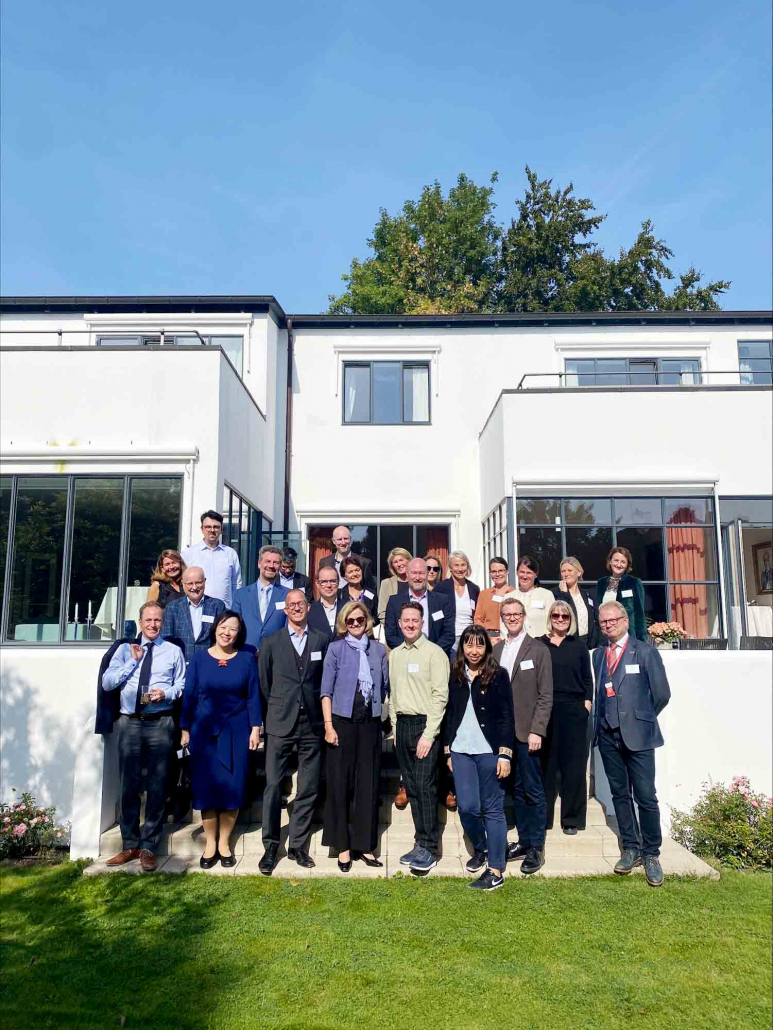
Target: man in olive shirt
{"points": [[418, 683]]}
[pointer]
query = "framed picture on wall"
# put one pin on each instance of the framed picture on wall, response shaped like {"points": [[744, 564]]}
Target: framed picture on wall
{"points": [[762, 556]]}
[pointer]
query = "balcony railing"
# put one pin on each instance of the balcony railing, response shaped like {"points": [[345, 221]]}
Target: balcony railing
{"points": [[640, 380]]}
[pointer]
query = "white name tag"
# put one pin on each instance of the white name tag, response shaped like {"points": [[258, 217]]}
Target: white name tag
{"points": [[280, 606], [413, 667], [627, 593], [207, 618], [316, 656], [591, 602], [631, 670], [497, 598], [437, 616], [538, 604], [528, 664], [368, 594]]}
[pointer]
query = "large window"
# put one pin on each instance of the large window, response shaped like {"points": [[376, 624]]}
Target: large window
{"points": [[672, 541], [632, 372], [77, 553], [497, 530], [755, 360], [244, 529], [386, 393], [232, 345]]}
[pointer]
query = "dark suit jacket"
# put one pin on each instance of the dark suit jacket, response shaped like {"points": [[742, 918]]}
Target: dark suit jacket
{"points": [[446, 586], [641, 696], [532, 687], [301, 582], [371, 603], [441, 629], [594, 633], [318, 620], [367, 568], [282, 688], [179, 629], [109, 701], [245, 602], [633, 604], [493, 710]]}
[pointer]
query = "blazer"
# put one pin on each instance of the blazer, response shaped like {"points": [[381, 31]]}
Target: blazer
{"points": [[341, 671], [441, 628], [532, 687], [446, 586], [302, 582], [245, 602], [594, 633], [642, 690], [371, 603], [318, 620], [109, 701], [493, 710], [179, 629], [282, 687], [632, 601], [367, 567]]}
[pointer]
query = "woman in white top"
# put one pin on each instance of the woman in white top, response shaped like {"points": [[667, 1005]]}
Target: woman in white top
{"points": [[535, 599], [463, 591], [581, 602]]}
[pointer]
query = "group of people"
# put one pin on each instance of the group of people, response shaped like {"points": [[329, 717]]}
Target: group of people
{"points": [[484, 690]]}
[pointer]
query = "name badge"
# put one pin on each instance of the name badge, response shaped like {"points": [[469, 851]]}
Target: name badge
{"points": [[316, 656], [497, 598], [368, 594], [631, 670], [207, 618], [609, 687], [538, 604], [527, 664], [280, 606], [591, 602], [413, 667], [437, 616], [627, 593]]}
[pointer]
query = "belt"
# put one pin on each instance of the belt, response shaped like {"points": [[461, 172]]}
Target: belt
{"points": [[149, 717]]}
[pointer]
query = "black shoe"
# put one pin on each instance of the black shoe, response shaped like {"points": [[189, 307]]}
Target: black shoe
{"points": [[477, 861], [372, 862], [268, 863], [534, 861], [229, 861], [207, 863], [653, 871], [570, 830], [516, 851], [629, 859], [303, 858], [345, 867], [489, 881], [284, 801]]}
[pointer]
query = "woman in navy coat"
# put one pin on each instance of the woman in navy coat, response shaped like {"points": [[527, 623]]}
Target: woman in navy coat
{"points": [[220, 722]]}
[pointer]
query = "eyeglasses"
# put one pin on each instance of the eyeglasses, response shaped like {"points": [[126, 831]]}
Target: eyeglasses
{"points": [[611, 622], [563, 618], [513, 615], [295, 604], [359, 621]]}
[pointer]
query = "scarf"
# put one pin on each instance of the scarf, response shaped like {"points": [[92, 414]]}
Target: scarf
{"points": [[364, 677]]}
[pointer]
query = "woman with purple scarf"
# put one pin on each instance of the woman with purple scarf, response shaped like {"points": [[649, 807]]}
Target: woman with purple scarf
{"points": [[355, 683]]}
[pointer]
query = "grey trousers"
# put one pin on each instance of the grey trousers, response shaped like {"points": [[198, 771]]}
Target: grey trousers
{"points": [[143, 745], [278, 751]]}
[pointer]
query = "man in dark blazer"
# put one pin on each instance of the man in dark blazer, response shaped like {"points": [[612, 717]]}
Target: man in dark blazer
{"points": [[290, 669], [188, 621], [289, 578], [439, 609], [342, 541], [631, 691], [262, 604], [323, 613], [531, 675]]}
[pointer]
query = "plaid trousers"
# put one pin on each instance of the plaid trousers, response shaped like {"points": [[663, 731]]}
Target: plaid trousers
{"points": [[420, 779]]}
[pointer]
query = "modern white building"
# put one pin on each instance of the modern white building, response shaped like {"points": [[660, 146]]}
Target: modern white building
{"points": [[121, 419]]}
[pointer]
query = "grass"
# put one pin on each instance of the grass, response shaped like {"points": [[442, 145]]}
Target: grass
{"points": [[215, 952]]}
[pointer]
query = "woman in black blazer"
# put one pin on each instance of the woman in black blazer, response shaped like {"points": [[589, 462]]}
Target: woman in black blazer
{"points": [[621, 586], [479, 742], [582, 604], [351, 570], [463, 591]]}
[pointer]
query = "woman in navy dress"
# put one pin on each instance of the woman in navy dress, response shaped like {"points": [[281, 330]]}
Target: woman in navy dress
{"points": [[220, 723]]}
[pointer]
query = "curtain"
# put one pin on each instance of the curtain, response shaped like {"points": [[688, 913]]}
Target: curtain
{"points": [[687, 560], [320, 546], [437, 544], [419, 393]]}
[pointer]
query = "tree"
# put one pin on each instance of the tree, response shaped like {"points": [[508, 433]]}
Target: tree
{"points": [[448, 255]]}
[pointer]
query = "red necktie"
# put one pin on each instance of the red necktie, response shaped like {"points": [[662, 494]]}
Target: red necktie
{"points": [[613, 657]]}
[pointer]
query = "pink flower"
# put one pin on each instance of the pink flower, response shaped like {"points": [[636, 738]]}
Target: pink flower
{"points": [[34, 822], [20, 830], [755, 804], [7, 819]]}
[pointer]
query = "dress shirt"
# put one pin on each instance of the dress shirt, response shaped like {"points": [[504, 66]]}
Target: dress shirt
{"points": [[424, 607], [330, 613], [341, 579], [618, 646], [196, 612], [264, 593], [286, 581], [298, 640], [469, 739], [167, 673], [510, 652], [220, 566], [418, 683]]}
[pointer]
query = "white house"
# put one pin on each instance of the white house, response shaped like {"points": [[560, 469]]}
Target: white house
{"points": [[121, 419]]}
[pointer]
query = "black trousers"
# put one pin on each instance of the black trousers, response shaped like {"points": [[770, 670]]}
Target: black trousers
{"points": [[420, 779], [278, 751], [631, 776], [565, 751], [353, 770], [143, 745]]}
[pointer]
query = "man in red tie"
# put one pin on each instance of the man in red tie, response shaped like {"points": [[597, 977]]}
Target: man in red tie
{"points": [[631, 691]]}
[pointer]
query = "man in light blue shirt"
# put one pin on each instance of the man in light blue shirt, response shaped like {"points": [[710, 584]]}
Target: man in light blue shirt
{"points": [[262, 604], [220, 563], [150, 675]]}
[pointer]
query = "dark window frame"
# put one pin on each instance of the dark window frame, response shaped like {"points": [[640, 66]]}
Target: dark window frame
{"points": [[171, 340], [634, 380], [752, 381], [255, 515], [376, 560], [404, 364]]}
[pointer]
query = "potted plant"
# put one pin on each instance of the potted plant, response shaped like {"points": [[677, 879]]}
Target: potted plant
{"points": [[666, 634]]}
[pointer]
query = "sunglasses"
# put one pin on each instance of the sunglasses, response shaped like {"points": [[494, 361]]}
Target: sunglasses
{"points": [[433, 568], [359, 621], [563, 618]]}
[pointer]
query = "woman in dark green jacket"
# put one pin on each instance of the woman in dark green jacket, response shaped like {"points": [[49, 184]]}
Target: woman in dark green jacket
{"points": [[621, 586]]}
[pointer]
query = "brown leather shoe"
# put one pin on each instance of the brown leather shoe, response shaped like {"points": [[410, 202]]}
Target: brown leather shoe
{"points": [[401, 799], [148, 861], [124, 856], [451, 802]]}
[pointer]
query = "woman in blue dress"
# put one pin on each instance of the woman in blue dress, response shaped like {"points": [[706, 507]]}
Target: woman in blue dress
{"points": [[220, 723]]}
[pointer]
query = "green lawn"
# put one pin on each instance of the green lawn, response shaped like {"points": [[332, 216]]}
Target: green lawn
{"points": [[214, 952]]}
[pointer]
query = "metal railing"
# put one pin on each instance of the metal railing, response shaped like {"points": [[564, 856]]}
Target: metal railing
{"points": [[600, 380], [160, 333]]}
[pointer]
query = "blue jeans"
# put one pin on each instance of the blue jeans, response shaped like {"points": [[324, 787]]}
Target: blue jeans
{"points": [[529, 803], [481, 799], [627, 772]]}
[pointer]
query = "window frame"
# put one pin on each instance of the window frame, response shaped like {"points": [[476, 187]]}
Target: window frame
{"points": [[403, 364], [173, 339], [637, 380], [742, 372]]}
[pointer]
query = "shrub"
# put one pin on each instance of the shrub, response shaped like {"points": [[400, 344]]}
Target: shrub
{"points": [[26, 829], [732, 824]]}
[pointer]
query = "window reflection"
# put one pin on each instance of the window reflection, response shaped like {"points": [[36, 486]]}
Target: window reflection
{"points": [[96, 553], [154, 525], [5, 516]]}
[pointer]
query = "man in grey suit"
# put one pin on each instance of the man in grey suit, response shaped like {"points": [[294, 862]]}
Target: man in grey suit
{"points": [[188, 622], [290, 670], [631, 691]]}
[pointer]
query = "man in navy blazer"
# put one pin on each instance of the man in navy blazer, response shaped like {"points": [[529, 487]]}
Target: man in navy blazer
{"points": [[262, 604], [188, 621], [324, 612], [631, 691], [439, 609]]}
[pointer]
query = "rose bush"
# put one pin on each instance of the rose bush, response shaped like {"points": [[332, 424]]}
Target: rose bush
{"points": [[733, 824], [28, 829]]}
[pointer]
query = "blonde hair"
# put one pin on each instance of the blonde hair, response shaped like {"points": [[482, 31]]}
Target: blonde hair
{"points": [[159, 576], [572, 620], [569, 560], [462, 557], [398, 552], [346, 611]]}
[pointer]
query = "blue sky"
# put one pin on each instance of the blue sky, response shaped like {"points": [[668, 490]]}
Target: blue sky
{"points": [[247, 148]]}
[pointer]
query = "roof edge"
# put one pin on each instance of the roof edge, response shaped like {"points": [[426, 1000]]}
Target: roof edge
{"points": [[176, 303], [534, 319]]}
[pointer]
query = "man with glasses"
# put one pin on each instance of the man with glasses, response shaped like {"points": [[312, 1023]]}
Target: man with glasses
{"points": [[438, 609], [289, 578], [290, 669], [219, 563], [631, 691], [531, 677], [322, 613]]}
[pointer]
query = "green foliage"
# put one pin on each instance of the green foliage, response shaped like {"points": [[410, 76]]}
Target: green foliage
{"points": [[447, 255], [27, 829], [732, 824]]}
